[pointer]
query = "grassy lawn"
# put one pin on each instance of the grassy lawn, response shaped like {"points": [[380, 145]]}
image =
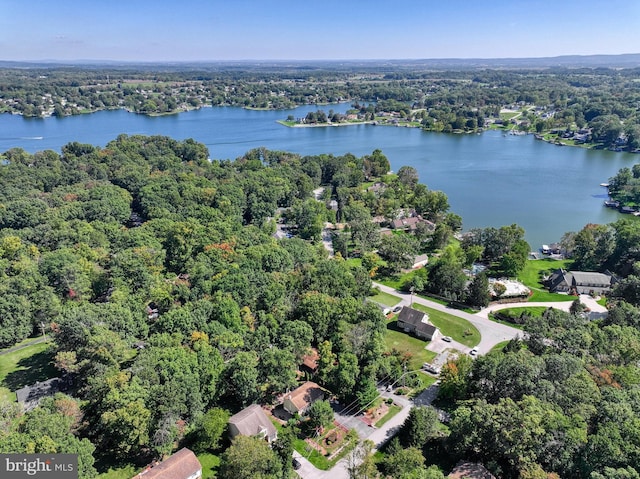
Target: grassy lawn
{"points": [[499, 346], [210, 463], [25, 366], [459, 329], [354, 262], [396, 338], [532, 274], [311, 454], [124, 472], [507, 115], [393, 410], [385, 298], [397, 281], [317, 459]]}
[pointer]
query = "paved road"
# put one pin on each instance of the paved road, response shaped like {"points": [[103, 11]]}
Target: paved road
{"points": [[491, 333], [22, 346], [378, 435], [596, 310]]}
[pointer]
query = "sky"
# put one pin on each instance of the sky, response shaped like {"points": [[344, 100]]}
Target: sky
{"points": [[224, 30]]}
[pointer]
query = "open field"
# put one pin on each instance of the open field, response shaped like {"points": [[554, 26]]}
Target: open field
{"points": [[25, 366]]}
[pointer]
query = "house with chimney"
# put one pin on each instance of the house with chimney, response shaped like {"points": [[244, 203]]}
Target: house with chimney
{"points": [[299, 400], [416, 322], [580, 282]]}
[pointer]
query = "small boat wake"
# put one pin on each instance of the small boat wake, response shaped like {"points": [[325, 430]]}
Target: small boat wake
{"points": [[31, 137]]}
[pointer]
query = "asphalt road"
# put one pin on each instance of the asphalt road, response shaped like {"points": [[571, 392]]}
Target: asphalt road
{"points": [[491, 333]]}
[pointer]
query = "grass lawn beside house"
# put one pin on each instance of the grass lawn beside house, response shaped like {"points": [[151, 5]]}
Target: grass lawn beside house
{"points": [[531, 276], [393, 410], [210, 464], [395, 338], [459, 329], [385, 298], [25, 366]]}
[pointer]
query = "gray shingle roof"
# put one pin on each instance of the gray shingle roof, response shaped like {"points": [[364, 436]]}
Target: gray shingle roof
{"points": [[252, 421]]}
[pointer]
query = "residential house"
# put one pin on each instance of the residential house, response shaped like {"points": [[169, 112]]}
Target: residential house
{"points": [[580, 282], [416, 322], [182, 465], [470, 470], [30, 396], [252, 421], [411, 223], [299, 400], [420, 260], [310, 362]]}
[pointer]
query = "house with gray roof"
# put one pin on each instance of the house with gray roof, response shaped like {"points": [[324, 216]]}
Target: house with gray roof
{"points": [[252, 421], [580, 282], [413, 321], [30, 396]]}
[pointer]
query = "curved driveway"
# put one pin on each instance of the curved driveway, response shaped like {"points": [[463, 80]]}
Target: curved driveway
{"points": [[491, 333]]}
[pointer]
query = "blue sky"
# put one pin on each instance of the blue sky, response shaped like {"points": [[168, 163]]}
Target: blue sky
{"points": [[188, 30]]}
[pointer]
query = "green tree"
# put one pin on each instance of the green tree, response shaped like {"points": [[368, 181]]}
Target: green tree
{"points": [[210, 428], [455, 378], [241, 377], [250, 458], [320, 414], [398, 251], [420, 425], [478, 294]]}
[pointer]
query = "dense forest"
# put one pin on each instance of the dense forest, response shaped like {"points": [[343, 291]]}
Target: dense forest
{"points": [[594, 106], [172, 303], [169, 299]]}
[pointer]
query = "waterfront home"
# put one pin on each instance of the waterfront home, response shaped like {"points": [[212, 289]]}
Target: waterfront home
{"points": [[580, 282], [252, 421], [413, 321]]}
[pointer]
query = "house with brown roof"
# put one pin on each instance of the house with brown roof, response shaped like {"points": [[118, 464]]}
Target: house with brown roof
{"points": [[252, 421], [310, 362], [299, 400], [411, 223], [182, 465], [413, 321], [470, 470]]}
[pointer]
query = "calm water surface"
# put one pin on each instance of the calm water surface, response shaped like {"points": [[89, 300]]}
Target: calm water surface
{"points": [[490, 179]]}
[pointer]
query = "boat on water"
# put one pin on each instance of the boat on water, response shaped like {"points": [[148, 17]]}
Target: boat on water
{"points": [[604, 185], [612, 204]]}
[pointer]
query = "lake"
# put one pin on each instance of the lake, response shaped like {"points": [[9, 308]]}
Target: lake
{"points": [[491, 179]]}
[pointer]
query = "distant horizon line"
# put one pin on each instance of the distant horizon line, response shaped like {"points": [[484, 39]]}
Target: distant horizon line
{"points": [[321, 60]]}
